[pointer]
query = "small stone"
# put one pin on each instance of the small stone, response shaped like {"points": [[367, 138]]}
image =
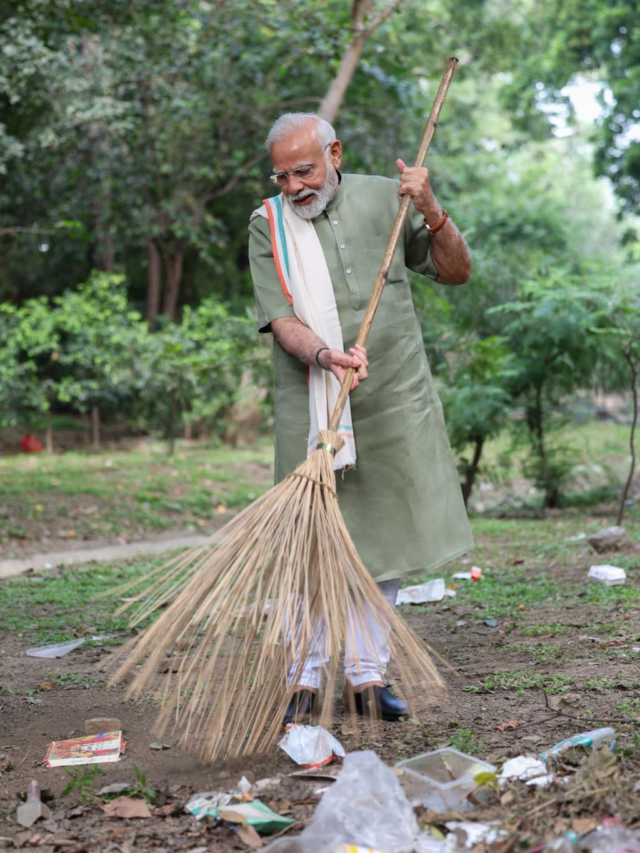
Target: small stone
{"points": [[99, 725], [611, 539]]}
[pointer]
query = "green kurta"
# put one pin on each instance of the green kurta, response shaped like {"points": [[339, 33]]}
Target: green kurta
{"points": [[402, 504]]}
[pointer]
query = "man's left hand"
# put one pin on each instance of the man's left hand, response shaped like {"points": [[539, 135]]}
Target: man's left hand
{"points": [[416, 183]]}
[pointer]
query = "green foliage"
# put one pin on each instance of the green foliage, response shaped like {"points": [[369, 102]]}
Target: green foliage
{"points": [[101, 341], [140, 788], [189, 371], [81, 782], [552, 333]]}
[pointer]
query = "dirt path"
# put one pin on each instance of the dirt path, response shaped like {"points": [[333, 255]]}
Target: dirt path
{"points": [[106, 554]]}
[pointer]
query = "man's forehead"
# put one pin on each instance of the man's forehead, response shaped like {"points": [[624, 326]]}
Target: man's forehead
{"points": [[299, 147]]}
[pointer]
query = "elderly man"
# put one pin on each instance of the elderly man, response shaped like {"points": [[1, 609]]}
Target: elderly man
{"points": [[400, 497]]}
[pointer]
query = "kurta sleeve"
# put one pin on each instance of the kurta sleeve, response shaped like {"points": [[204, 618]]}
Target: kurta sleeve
{"points": [[417, 253], [271, 303]]}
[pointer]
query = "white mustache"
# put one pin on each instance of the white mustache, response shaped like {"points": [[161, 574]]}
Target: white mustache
{"points": [[303, 194]]}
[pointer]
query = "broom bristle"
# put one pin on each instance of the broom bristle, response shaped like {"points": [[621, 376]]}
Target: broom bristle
{"points": [[283, 572]]}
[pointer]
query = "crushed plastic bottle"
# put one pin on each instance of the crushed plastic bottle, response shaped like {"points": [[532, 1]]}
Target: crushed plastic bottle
{"points": [[616, 839], [567, 843], [586, 739]]}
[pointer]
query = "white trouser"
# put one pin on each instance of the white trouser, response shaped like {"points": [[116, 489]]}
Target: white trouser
{"points": [[366, 652]]}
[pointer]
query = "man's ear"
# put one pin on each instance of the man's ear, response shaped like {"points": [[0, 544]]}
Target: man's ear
{"points": [[336, 153]]}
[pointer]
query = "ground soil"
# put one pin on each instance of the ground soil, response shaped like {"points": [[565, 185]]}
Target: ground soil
{"points": [[28, 723]]}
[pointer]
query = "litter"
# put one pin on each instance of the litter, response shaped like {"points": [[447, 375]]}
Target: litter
{"points": [[243, 791], [422, 593], [31, 811], [470, 833], [566, 843], [577, 538], [618, 839], [255, 814], [57, 651], [310, 746], [366, 807], [441, 780], [351, 848], [93, 749], [318, 773], [490, 623], [585, 739], [115, 788], [522, 767], [207, 803], [607, 575], [220, 806], [474, 575]]}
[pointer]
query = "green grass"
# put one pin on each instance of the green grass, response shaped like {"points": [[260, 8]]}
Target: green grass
{"points": [[49, 611], [87, 495]]}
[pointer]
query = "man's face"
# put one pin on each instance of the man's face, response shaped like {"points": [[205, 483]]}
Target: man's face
{"points": [[312, 179]]}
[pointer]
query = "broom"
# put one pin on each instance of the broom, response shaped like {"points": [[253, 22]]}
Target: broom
{"points": [[283, 579]]}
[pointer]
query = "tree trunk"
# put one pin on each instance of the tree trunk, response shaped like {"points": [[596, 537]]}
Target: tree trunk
{"points": [[632, 437], [362, 29], [95, 424], [535, 417], [154, 268], [173, 264], [332, 101], [472, 470], [49, 434]]}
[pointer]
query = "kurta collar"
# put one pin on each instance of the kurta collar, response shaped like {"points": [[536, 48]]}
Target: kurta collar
{"points": [[337, 198]]}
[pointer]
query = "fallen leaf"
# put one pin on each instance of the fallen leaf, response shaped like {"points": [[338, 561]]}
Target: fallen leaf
{"points": [[250, 837], [510, 724], [127, 807], [521, 607], [166, 811], [582, 825], [232, 816], [159, 746], [507, 798], [46, 685], [518, 561]]}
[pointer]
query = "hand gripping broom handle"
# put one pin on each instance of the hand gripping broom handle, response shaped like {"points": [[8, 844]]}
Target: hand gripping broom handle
{"points": [[405, 204]]}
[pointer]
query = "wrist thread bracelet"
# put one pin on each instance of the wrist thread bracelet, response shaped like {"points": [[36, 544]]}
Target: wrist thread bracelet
{"points": [[317, 354], [439, 225]]}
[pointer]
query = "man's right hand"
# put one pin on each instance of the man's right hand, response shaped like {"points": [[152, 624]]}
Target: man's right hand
{"points": [[338, 362]]}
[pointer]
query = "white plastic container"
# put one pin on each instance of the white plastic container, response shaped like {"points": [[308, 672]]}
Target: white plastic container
{"points": [[607, 575], [440, 780]]}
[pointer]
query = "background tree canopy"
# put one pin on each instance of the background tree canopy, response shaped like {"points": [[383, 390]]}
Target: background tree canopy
{"points": [[131, 139]]}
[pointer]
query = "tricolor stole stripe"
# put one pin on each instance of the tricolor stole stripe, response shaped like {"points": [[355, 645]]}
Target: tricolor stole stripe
{"points": [[279, 243]]}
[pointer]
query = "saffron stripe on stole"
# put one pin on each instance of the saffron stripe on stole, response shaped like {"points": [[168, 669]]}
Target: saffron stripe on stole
{"points": [[276, 249]]}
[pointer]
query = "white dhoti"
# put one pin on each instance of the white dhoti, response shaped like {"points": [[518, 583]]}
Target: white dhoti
{"points": [[366, 652]]}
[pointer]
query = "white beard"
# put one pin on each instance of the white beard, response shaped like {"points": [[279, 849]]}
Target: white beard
{"points": [[322, 197]]}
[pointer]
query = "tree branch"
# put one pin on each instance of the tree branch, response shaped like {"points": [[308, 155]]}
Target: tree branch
{"points": [[380, 19], [234, 180]]}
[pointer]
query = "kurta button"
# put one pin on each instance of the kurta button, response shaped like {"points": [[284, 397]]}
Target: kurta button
{"points": [[335, 222], [342, 246], [348, 271]]}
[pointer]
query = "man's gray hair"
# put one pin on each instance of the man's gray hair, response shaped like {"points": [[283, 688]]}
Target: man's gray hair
{"points": [[290, 123]]}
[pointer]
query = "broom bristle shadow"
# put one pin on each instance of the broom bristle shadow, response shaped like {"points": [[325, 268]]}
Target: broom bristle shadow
{"points": [[250, 611]]}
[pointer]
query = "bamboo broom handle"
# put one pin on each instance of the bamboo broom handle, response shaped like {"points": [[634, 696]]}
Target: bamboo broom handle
{"points": [[401, 216]]}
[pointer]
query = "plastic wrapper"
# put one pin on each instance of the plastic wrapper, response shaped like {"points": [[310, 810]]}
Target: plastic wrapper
{"points": [[310, 746], [365, 807]]}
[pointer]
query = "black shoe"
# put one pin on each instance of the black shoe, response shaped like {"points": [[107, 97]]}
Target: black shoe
{"points": [[379, 703], [299, 707]]}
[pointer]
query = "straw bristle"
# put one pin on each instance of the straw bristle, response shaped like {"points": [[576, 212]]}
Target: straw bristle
{"points": [[251, 608]]}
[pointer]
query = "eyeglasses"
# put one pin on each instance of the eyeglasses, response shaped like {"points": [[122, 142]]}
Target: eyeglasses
{"points": [[303, 172]]}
